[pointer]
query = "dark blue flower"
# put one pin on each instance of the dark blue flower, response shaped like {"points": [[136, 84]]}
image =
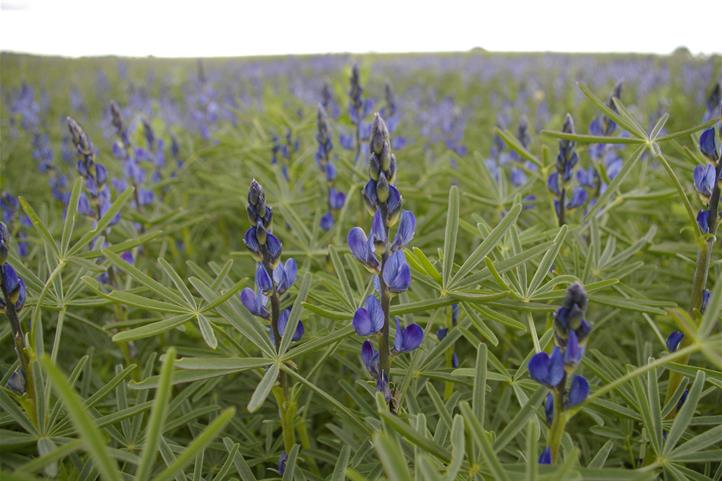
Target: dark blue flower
{"points": [[378, 234], [263, 279], [397, 274], [282, 323], [282, 459], [4, 243], [362, 249], [708, 145], [336, 198], [518, 177], [369, 319], [573, 352], [704, 179], [549, 408], [553, 183], [547, 370], [703, 220], [578, 391], [16, 382], [571, 313], [441, 333], [327, 221], [578, 198], [546, 456], [408, 338], [673, 340], [255, 303], [370, 357], [284, 275], [406, 230]]}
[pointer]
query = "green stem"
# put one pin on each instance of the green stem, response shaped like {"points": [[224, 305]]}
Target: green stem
{"points": [[384, 350], [699, 281], [20, 350], [559, 423], [286, 405]]}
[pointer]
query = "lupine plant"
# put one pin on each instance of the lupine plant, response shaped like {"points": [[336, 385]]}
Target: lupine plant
{"points": [[534, 343], [385, 259]]}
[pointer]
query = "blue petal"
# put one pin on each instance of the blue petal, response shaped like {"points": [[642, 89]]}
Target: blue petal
{"points": [[673, 340], [376, 313], [378, 230], [405, 232], [412, 338], [578, 391], [370, 357], [549, 408], [362, 322], [273, 247], [539, 367], [263, 280], [546, 456], [399, 337], [574, 352], [708, 144], [556, 368], [249, 238]]}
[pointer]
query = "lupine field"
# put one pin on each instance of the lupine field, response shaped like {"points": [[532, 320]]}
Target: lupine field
{"points": [[385, 267]]}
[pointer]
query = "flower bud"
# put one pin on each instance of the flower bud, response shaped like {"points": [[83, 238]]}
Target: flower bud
{"points": [[382, 188]]}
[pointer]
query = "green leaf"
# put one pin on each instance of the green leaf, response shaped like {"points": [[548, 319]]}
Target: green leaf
{"points": [[713, 311], [157, 417], [207, 331], [488, 244], [458, 447], [487, 452], [295, 316], [93, 439], [339, 470], [39, 225], [450, 234], [71, 212], [199, 442], [547, 261], [684, 416], [392, 457], [263, 389], [338, 267]]}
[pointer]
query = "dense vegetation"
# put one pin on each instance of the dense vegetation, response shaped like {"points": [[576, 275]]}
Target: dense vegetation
{"points": [[458, 266]]}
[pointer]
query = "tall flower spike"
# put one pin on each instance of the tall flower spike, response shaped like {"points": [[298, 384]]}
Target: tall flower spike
{"points": [[382, 256]]}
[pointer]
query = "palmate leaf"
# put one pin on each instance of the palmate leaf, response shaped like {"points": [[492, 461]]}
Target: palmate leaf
{"points": [[92, 437]]}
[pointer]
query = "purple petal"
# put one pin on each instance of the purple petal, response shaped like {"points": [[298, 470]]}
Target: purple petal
{"points": [[362, 322], [406, 229], [539, 367], [413, 337], [263, 280], [578, 391], [358, 243], [708, 145]]}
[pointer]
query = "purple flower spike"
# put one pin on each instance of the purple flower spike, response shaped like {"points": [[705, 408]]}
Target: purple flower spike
{"points": [[255, 303], [405, 232], [370, 318], [578, 392], [284, 275], [546, 456], [361, 248], [370, 357], [708, 145], [547, 370], [574, 352], [282, 323], [673, 340], [407, 338], [397, 274], [704, 179]]}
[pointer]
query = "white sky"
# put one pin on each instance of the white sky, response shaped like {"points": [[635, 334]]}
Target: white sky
{"points": [[183, 28]]}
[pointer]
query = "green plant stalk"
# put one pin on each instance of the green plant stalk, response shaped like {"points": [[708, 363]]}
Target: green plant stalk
{"points": [[562, 201], [286, 405], [22, 353], [699, 282], [384, 351], [559, 422]]}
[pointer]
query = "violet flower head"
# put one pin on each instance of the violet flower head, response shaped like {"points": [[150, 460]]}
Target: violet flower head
{"points": [[407, 338], [547, 370]]}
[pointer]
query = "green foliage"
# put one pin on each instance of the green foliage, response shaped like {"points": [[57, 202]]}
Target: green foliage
{"points": [[164, 375]]}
